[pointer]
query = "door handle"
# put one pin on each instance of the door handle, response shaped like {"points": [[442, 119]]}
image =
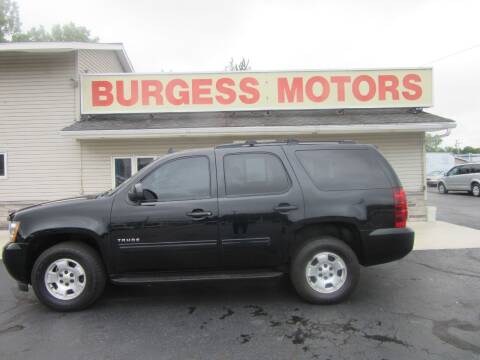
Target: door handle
{"points": [[199, 214], [285, 208]]}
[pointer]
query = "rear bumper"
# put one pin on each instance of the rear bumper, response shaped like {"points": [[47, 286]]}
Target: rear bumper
{"points": [[385, 245], [15, 259]]}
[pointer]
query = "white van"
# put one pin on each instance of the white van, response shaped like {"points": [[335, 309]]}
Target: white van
{"points": [[461, 178]]}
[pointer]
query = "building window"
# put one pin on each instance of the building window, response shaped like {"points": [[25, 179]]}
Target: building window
{"points": [[143, 161], [3, 165], [123, 170], [125, 167]]}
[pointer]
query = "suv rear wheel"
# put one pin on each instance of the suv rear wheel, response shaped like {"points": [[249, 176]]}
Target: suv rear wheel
{"points": [[476, 189], [442, 189], [68, 276], [325, 270]]}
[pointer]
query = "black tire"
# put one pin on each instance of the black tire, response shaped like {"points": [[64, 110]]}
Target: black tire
{"points": [[88, 258], [307, 252], [442, 189], [476, 189]]}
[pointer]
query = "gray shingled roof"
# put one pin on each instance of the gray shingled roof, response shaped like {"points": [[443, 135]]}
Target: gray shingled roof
{"points": [[253, 118]]}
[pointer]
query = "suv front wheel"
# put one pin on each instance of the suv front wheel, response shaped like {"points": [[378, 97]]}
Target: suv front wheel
{"points": [[325, 270], [68, 276]]}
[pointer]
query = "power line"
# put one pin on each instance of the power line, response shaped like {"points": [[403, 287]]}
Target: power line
{"points": [[452, 54]]}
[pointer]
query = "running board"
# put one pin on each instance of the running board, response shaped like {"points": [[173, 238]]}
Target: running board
{"points": [[200, 276]]}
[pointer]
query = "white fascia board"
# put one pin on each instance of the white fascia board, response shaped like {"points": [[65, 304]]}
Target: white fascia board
{"points": [[125, 60], [255, 131], [58, 46]]}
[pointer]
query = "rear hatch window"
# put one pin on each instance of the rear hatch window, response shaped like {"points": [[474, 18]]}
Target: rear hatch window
{"points": [[341, 169]]}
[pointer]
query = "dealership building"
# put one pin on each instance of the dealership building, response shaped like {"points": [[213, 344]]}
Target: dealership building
{"points": [[76, 119]]}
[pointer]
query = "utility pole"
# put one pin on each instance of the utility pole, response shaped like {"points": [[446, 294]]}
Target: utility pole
{"points": [[457, 146]]}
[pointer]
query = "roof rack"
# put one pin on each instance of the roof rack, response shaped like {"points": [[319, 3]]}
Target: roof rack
{"points": [[252, 143]]}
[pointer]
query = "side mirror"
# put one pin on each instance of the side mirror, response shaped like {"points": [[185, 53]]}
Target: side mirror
{"points": [[136, 193]]}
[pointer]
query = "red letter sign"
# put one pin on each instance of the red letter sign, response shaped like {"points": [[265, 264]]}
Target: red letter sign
{"points": [[133, 93], [102, 93], [293, 93]]}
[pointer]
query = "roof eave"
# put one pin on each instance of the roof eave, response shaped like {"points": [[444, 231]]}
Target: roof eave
{"points": [[255, 131], [53, 47]]}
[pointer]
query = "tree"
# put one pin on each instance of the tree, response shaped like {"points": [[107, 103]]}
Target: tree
{"points": [[9, 20], [470, 150], [243, 65], [432, 143], [10, 28], [66, 32]]}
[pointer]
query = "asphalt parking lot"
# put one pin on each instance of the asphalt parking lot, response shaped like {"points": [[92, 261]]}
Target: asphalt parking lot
{"points": [[426, 306], [457, 208]]}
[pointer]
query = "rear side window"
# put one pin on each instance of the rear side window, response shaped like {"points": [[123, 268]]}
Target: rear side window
{"points": [[254, 174], [343, 169]]}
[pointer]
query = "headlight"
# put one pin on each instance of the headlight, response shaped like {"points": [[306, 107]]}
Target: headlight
{"points": [[13, 227]]}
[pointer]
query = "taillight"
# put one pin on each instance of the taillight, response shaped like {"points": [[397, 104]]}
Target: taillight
{"points": [[401, 210]]}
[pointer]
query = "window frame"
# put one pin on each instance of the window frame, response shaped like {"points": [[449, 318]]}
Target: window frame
{"points": [[154, 157], [289, 179], [5, 165], [134, 164], [210, 188]]}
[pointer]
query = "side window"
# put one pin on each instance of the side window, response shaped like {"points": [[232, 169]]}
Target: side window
{"points": [[3, 165], [476, 168], [181, 179], [453, 171], [122, 170], [254, 174], [462, 170], [343, 169]]}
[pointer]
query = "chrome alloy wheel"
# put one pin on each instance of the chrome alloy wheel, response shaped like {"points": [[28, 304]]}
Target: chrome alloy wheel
{"points": [[326, 272], [476, 190], [65, 279]]}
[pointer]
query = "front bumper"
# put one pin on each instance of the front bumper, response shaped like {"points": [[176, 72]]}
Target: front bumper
{"points": [[385, 245], [15, 259]]}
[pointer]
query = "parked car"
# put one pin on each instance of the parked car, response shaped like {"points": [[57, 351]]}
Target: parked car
{"points": [[253, 210], [434, 177], [464, 177]]}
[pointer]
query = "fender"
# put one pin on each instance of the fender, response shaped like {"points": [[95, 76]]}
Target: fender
{"points": [[97, 235], [473, 181], [84, 219]]}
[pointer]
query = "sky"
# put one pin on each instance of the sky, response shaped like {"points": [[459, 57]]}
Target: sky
{"points": [[184, 36]]}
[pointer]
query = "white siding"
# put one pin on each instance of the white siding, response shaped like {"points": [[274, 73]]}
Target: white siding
{"points": [[37, 100], [39, 96], [96, 61], [403, 150]]}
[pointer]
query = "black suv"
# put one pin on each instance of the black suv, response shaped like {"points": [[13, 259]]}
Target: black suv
{"points": [[314, 210]]}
